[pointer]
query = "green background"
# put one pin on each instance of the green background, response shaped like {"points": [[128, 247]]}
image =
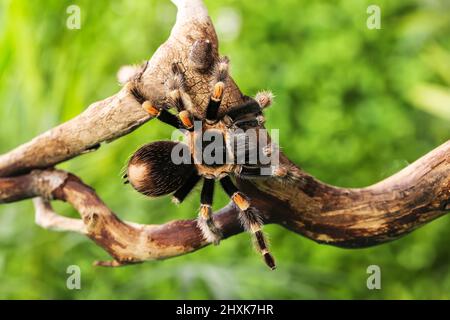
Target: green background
{"points": [[353, 106]]}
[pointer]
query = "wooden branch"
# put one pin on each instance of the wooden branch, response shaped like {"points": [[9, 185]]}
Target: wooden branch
{"points": [[363, 217], [49, 219], [338, 216], [126, 242]]}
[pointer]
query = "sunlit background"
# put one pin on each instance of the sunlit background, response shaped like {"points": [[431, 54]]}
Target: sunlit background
{"points": [[353, 106]]}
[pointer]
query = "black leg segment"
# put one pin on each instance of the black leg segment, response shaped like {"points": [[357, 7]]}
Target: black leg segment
{"points": [[182, 193]]}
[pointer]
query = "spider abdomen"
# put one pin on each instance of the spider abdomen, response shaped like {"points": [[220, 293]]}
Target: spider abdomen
{"points": [[152, 172]]}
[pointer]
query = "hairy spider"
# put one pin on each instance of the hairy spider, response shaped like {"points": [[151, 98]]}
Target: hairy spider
{"points": [[153, 172]]}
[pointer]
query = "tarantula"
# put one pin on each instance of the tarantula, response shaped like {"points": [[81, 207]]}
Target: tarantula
{"points": [[152, 171]]}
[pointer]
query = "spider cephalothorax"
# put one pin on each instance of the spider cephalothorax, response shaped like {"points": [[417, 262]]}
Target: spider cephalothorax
{"points": [[217, 148]]}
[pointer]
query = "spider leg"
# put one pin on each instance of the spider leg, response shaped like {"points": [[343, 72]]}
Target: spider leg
{"points": [[161, 114], [186, 119], [220, 76], [251, 172], [250, 123], [205, 222], [257, 172], [250, 219], [185, 189], [244, 109], [244, 146], [180, 99], [177, 88], [264, 98], [214, 102]]}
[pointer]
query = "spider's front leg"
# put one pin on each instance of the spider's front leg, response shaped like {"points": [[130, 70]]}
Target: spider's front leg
{"points": [[220, 77], [205, 222], [161, 114], [186, 188], [250, 219], [177, 97]]}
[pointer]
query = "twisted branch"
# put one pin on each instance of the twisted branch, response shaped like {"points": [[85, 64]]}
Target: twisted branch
{"points": [[338, 216], [126, 242]]}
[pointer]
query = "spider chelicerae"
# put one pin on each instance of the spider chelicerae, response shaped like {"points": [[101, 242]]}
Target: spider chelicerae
{"points": [[153, 172]]}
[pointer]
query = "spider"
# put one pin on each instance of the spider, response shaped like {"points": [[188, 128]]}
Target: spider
{"points": [[152, 171]]}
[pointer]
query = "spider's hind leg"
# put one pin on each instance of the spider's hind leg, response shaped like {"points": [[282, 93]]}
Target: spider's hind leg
{"points": [[205, 222], [186, 188], [250, 218]]}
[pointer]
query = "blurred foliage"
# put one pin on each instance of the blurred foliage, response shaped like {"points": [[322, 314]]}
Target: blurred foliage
{"points": [[345, 109]]}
